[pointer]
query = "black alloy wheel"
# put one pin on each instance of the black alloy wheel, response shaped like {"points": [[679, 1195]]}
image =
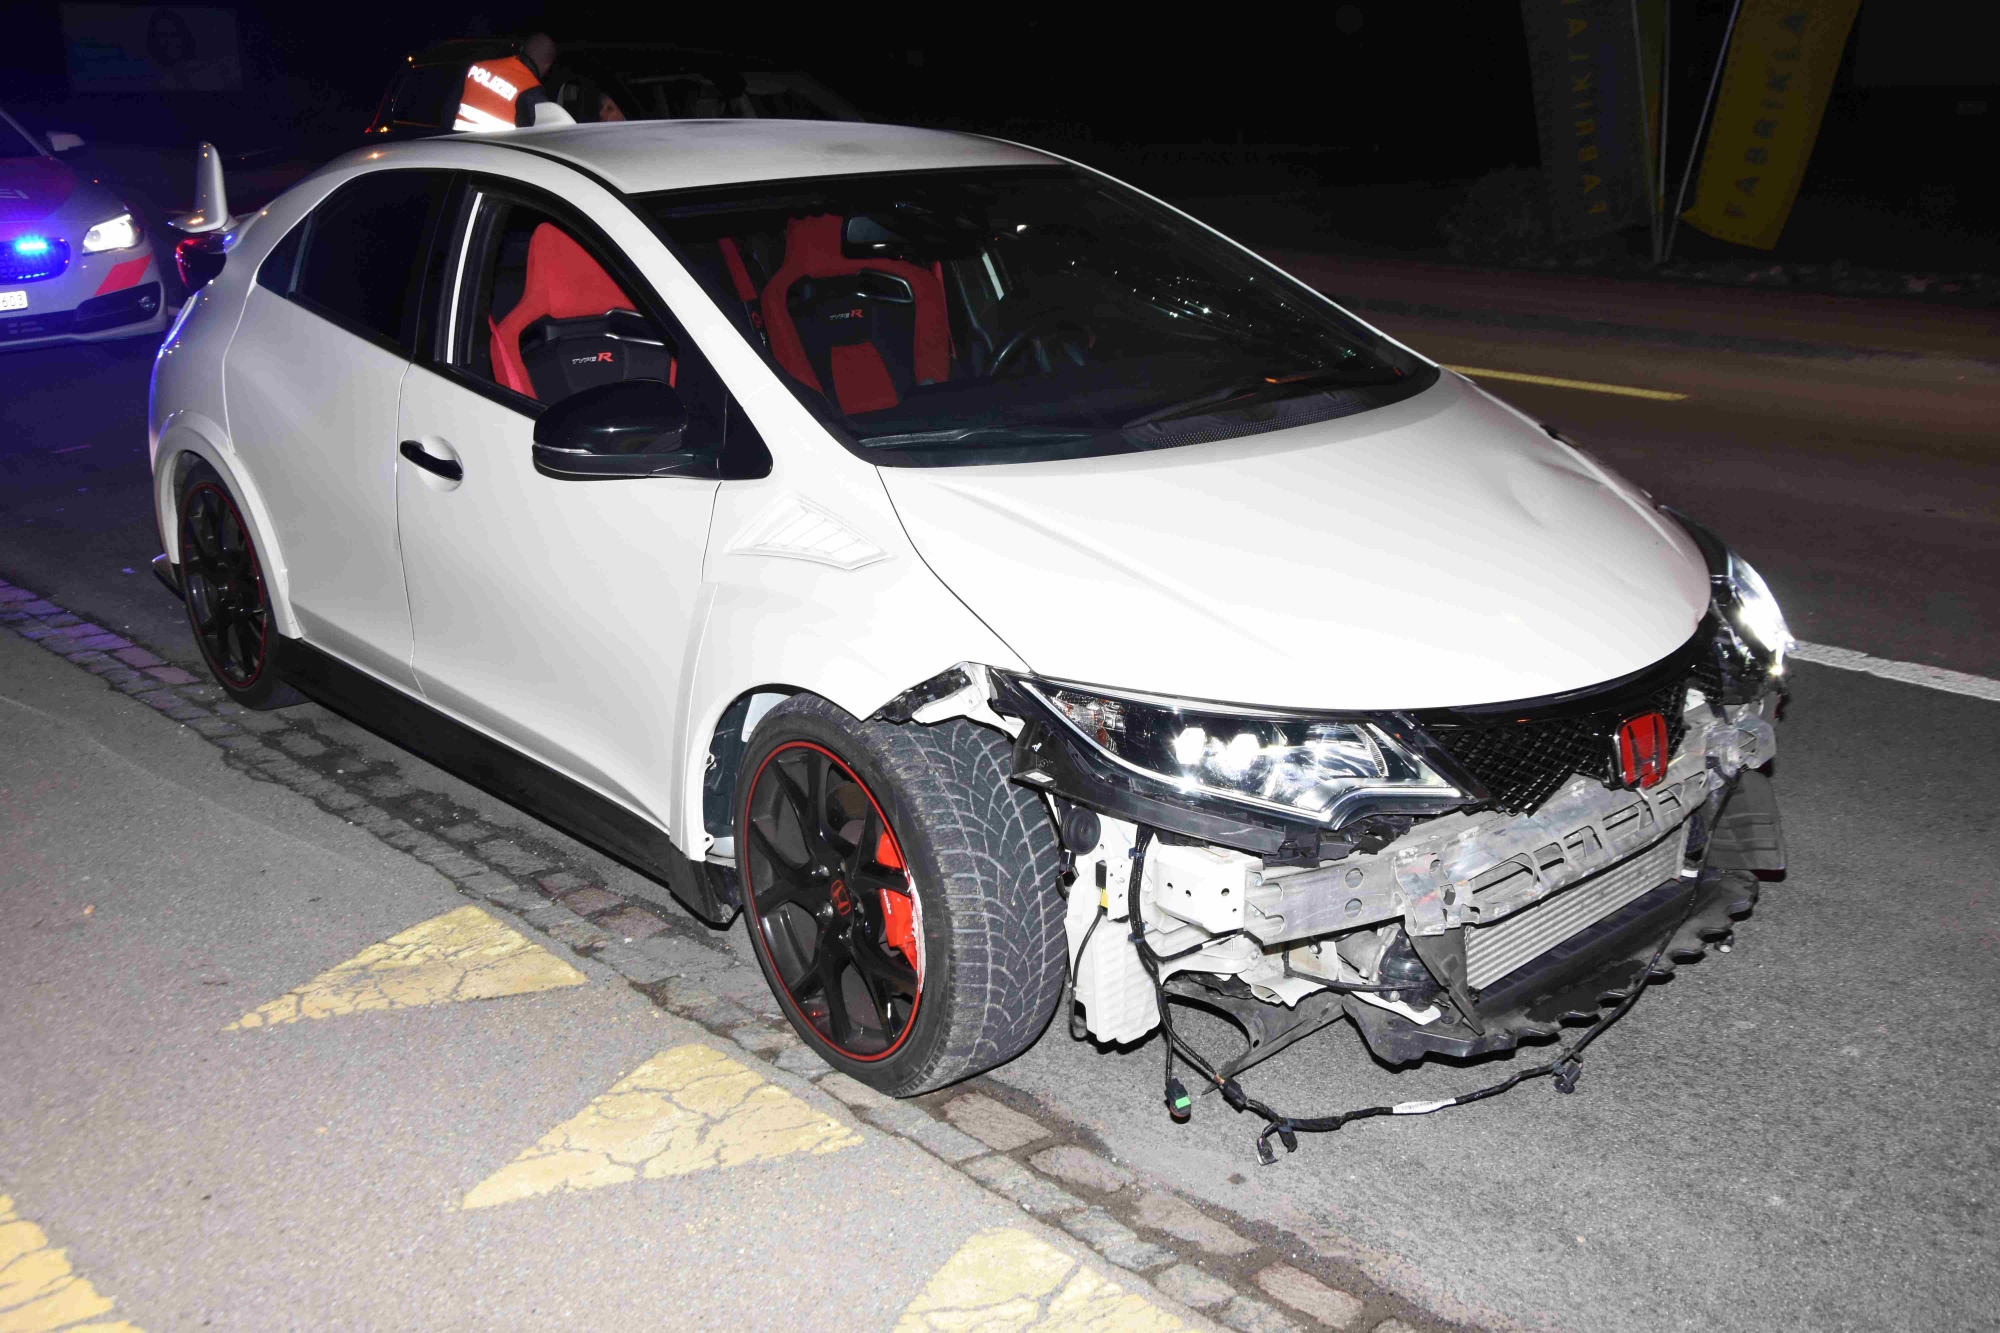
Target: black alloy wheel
{"points": [[834, 906], [901, 892], [228, 606]]}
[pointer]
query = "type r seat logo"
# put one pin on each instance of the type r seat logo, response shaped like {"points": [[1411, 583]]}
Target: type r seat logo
{"points": [[1642, 750], [593, 359]]}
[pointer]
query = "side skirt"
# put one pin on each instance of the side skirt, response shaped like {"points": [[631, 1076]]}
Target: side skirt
{"points": [[707, 891]]}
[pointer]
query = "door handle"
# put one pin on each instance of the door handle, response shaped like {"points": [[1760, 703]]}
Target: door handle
{"points": [[430, 462]]}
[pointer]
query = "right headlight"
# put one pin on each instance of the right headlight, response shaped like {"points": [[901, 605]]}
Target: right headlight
{"points": [[1299, 765], [1753, 638], [1754, 611]]}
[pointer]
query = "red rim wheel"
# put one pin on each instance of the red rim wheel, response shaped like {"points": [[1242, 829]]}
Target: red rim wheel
{"points": [[831, 903]]}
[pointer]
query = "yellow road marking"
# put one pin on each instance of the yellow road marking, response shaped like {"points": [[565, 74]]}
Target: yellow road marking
{"points": [[1591, 386], [688, 1109], [1007, 1280], [462, 955], [39, 1291]]}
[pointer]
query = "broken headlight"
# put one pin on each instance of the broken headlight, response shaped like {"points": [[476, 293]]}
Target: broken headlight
{"points": [[1752, 638], [1753, 610], [1300, 765]]}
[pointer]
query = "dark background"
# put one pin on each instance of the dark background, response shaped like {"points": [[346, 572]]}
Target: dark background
{"points": [[1357, 127]]}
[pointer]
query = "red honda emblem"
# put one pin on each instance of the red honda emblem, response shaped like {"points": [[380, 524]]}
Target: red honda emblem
{"points": [[843, 902], [1642, 750]]}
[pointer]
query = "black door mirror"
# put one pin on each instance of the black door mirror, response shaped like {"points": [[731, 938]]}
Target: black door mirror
{"points": [[633, 428]]}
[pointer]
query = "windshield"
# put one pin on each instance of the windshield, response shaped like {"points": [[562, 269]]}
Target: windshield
{"points": [[14, 141], [997, 315], [729, 95], [595, 84]]}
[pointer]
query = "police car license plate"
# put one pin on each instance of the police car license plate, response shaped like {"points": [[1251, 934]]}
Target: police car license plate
{"points": [[13, 300]]}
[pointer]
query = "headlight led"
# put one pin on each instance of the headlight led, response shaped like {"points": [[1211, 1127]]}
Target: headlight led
{"points": [[1757, 612], [1302, 765], [119, 233]]}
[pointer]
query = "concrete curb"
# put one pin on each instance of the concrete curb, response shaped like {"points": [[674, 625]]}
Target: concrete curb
{"points": [[1028, 1159]]}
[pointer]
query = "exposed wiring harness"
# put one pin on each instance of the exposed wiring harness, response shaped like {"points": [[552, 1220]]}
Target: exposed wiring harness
{"points": [[1565, 1068]]}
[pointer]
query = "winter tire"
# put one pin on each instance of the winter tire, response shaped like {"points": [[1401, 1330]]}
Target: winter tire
{"points": [[900, 892], [222, 583]]}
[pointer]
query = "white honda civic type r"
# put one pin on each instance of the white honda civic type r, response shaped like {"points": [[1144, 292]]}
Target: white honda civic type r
{"points": [[979, 574]]}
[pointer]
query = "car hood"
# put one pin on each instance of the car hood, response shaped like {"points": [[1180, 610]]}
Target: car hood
{"points": [[31, 188], [1441, 551]]}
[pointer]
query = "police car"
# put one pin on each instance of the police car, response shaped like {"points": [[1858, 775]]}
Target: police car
{"points": [[979, 575], [76, 265]]}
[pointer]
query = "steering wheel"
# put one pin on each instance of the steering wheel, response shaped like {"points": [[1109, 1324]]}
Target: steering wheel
{"points": [[1031, 333]]}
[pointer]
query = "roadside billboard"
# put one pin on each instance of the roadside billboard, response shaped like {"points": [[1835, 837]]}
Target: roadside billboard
{"points": [[1779, 75], [1590, 109], [151, 49]]}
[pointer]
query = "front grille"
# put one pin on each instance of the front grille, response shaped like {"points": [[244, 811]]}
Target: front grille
{"points": [[1525, 759], [18, 265], [1491, 952]]}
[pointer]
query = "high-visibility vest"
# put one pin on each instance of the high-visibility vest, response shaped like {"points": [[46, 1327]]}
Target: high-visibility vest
{"points": [[492, 88]]}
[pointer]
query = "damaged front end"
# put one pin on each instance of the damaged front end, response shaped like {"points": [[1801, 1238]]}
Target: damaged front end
{"points": [[1455, 881]]}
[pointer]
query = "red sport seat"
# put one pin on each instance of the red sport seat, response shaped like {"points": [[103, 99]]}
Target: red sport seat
{"points": [[872, 328], [558, 335]]}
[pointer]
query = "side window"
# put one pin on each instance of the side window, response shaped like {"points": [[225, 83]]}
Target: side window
{"points": [[282, 264], [543, 313], [362, 255]]}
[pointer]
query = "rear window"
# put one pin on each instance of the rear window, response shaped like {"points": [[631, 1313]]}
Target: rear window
{"points": [[954, 317], [734, 96], [427, 95], [362, 254]]}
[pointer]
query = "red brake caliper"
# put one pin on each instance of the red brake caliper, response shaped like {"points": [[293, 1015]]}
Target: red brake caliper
{"points": [[899, 917]]}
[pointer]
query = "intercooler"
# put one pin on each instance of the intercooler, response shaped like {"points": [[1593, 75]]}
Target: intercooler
{"points": [[1492, 952]]}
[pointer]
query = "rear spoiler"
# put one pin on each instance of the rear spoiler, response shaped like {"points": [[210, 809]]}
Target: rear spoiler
{"points": [[211, 201]]}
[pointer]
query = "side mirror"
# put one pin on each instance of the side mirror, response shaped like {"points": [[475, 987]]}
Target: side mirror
{"points": [[62, 141], [630, 429]]}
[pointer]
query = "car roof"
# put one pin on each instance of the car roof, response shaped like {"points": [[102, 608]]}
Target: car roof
{"points": [[645, 155]]}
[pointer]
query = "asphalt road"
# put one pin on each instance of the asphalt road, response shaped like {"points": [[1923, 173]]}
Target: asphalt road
{"points": [[485, 1131], [1797, 1135]]}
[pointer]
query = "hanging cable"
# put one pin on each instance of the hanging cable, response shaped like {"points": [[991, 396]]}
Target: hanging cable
{"points": [[1566, 1068]]}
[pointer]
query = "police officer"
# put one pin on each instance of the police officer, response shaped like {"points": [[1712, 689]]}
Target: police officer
{"points": [[503, 94]]}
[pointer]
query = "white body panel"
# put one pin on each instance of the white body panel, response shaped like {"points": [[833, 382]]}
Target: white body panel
{"points": [[1440, 551], [554, 615], [312, 414], [801, 618], [684, 154], [1433, 553]]}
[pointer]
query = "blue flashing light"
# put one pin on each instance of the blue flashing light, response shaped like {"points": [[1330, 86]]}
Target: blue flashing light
{"points": [[31, 247]]}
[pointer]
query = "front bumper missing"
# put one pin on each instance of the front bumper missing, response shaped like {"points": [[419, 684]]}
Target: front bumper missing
{"points": [[1576, 978], [1524, 922]]}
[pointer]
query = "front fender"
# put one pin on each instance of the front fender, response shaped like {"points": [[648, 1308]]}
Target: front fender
{"points": [[817, 592]]}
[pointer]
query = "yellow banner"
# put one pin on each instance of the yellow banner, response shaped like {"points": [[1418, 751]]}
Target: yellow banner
{"points": [[1775, 87]]}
